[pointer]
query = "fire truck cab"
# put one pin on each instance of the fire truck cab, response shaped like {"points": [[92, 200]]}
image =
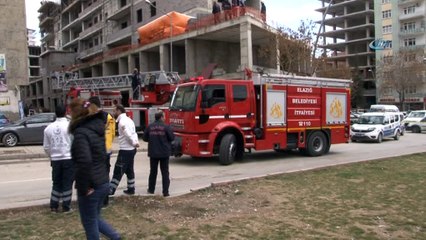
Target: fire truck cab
{"points": [[280, 112]]}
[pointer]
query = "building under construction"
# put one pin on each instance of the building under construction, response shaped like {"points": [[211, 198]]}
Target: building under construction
{"points": [[347, 31], [102, 38]]}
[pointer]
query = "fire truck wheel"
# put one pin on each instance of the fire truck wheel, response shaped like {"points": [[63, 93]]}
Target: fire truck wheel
{"points": [[317, 144], [228, 149]]}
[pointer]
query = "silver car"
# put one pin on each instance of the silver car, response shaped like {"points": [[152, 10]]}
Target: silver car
{"points": [[27, 130]]}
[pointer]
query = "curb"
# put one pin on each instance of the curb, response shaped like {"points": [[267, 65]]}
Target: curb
{"points": [[22, 157]]}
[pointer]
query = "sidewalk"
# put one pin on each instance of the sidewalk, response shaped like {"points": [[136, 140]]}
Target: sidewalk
{"points": [[31, 152]]}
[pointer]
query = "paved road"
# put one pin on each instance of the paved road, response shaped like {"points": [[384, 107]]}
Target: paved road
{"points": [[28, 182]]}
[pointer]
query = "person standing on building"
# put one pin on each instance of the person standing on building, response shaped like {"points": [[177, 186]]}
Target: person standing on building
{"points": [[109, 134], [159, 137], [128, 142], [226, 7], [216, 12], [57, 145], [136, 83], [263, 11], [91, 176]]}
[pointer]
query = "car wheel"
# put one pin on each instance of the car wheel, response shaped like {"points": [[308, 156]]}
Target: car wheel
{"points": [[10, 140], [416, 129], [353, 140], [379, 138], [397, 134]]}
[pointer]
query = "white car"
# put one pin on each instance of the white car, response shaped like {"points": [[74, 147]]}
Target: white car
{"points": [[412, 122], [375, 126]]}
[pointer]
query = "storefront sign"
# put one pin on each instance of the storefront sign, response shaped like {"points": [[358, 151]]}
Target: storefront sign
{"points": [[3, 84]]}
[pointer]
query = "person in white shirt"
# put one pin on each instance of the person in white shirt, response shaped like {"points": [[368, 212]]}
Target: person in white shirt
{"points": [[128, 142], [57, 145]]}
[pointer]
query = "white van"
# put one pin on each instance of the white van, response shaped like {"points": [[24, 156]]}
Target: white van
{"points": [[413, 119], [374, 126], [383, 108]]}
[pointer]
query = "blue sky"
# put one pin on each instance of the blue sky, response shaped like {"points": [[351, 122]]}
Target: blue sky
{"points": [[286, 13]]}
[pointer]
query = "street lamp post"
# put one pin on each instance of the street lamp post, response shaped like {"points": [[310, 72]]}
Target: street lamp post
{"points": [[171, 34]]}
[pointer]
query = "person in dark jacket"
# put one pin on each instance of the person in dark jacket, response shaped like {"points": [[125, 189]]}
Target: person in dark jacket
{"points": [[91, 169], [136, 82], [159, 137], [216, 12]]}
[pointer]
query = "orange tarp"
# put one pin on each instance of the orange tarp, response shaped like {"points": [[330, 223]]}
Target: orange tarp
{"points": [[160, 27]]}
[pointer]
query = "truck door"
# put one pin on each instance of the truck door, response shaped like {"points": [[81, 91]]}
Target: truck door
{"points": [[214, 105], [241, 108]]}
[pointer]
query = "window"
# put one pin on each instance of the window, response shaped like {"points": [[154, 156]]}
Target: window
{"points": [[409, 26], [123, 3], [213, 94], [386, 1], [409, 10], [139, 15], [386, 14], [409, 42], [387, 29], [239, 92], [153, 8]]}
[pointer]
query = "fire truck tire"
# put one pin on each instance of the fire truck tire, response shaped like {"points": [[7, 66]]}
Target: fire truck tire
{"points": [[317, 144], [228, 149]]}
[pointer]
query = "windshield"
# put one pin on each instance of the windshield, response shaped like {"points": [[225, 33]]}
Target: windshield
{"points": [[371, 120], [185, 98], [416, 114]]}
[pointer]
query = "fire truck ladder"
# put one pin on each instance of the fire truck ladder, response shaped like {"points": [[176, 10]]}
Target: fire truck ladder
{"points": [[110, 82]]}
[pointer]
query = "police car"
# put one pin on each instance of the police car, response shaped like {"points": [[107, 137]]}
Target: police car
{"points": [[375, 126]]}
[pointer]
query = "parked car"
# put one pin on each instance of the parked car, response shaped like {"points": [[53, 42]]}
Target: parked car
{"points": [[413, 119], [3, 119], [354, 117], [375, 126], [418, 127], [27, 130]]}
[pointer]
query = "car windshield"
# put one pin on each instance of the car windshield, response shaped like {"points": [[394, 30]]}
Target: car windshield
{"points": [[371, 120], [185, 98], [416, 114]]}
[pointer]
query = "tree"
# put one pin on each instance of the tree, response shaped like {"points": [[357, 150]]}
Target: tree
{"points": [[400, 73], [294, 49]]}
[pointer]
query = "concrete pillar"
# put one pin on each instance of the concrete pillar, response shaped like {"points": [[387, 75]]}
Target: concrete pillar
{"points": [[164, 57], [131, 63], [246, 44], [190, 57], [277, 46], [144, 62]]}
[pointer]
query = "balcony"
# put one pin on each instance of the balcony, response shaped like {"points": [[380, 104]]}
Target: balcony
{"points": [[91, 30], [45, 21], [90, 52], [71, 43], [406, 2], [71, 5], [90, 9], [411, 32], [419, 13], [119, 35], [414, 47], [46, 36], [76, 23], [120, 13]]}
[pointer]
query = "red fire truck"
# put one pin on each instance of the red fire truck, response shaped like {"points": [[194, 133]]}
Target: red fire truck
{"points": [[280, 112]]}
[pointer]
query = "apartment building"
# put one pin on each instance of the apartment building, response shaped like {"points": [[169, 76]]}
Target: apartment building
{"points": [[13, 55], [347, 32], [401, 24], [94, 38]]}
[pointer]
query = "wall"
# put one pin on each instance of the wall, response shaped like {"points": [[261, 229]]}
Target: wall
{"points": [[13, 46]]}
